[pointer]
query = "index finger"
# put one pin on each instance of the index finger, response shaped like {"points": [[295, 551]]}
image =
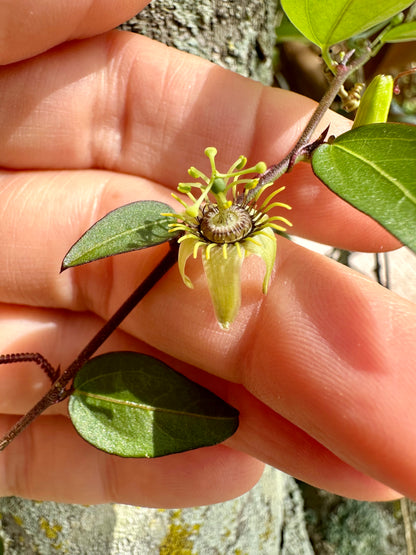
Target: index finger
{"points": [[128, 104]]}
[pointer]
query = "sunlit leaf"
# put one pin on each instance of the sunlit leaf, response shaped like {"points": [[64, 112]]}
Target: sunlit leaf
{"points": [[327, 22], [286, 32], [131, 227], [374, 168], [133, 405], [401, 33]]}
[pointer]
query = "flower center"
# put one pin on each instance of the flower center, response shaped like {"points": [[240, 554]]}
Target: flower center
{"points": [[225, 226]]}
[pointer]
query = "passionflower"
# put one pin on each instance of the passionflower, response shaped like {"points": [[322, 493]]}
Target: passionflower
{"points": [[227, 222]]}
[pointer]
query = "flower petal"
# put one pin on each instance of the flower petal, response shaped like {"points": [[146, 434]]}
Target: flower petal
{"points": [[224, 281], [186, 248], [263, 245]]}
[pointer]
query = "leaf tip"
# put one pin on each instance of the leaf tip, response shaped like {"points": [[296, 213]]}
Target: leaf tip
{"points": [[63, 267]]}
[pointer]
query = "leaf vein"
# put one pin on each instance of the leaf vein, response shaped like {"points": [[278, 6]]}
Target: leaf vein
{"points": [[143, 406], [383, 173], [118, 236]]}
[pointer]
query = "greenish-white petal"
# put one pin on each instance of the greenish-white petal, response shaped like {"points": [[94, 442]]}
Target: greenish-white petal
{"points": [[224, 281], [263, 244], [186, 249]]}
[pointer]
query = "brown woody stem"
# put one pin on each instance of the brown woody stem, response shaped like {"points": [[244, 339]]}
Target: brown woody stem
{"points": [[343, 71], [59, 390]]}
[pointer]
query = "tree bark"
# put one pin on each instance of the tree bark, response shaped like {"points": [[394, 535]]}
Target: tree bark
{"points": [[238, 35]]}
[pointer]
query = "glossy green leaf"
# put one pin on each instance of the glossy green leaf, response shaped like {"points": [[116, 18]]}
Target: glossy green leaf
{"points": [[327, 22], [131, 227], [286, 32], [133, 405], [374, 168], [401, 33]]}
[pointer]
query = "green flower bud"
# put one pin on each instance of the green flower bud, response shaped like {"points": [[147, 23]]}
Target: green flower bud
{"points": [[375, 102], [398, 18]]}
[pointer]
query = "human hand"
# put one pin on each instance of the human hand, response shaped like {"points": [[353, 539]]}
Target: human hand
{"points": [[320, 368]]}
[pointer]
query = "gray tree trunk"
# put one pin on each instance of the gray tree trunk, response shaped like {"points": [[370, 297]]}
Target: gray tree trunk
{"points": [[268, 520], [236, 34]]}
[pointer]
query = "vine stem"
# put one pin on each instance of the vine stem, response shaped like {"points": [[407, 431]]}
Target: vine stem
{"points": [[342, 72], [59, 390]]}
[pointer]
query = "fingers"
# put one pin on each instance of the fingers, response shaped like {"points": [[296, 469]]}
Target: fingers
{"points": [[59, 335], [50, 461], [128, 104], [140, 108], [327, 349], [34, 464], [333, 386], [268, 436], [67, 204], [29, 27], [319, 393]]}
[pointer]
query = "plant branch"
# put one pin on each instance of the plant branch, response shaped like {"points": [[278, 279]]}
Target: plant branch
{"points": [[59, 390], [343, 71]]}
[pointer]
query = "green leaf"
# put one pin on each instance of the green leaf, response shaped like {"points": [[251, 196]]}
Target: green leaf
{"points": [[133, 405], [131, 227], [328, 22], [401, 33], [374, 168], [286, 32]]}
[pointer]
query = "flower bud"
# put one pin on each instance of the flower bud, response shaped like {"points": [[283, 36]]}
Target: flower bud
{"points": [[375, 102]]}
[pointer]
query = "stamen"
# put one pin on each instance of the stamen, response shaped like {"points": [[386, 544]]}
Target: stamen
{"points": [[238, 164], [271, 196], [180, 200], [282, 219], [277, 205], [196, 247], [253, 240], [208, 250], [278, 227]]}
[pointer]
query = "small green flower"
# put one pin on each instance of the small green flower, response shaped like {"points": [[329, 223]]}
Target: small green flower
{"points": [[225, 224]]}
